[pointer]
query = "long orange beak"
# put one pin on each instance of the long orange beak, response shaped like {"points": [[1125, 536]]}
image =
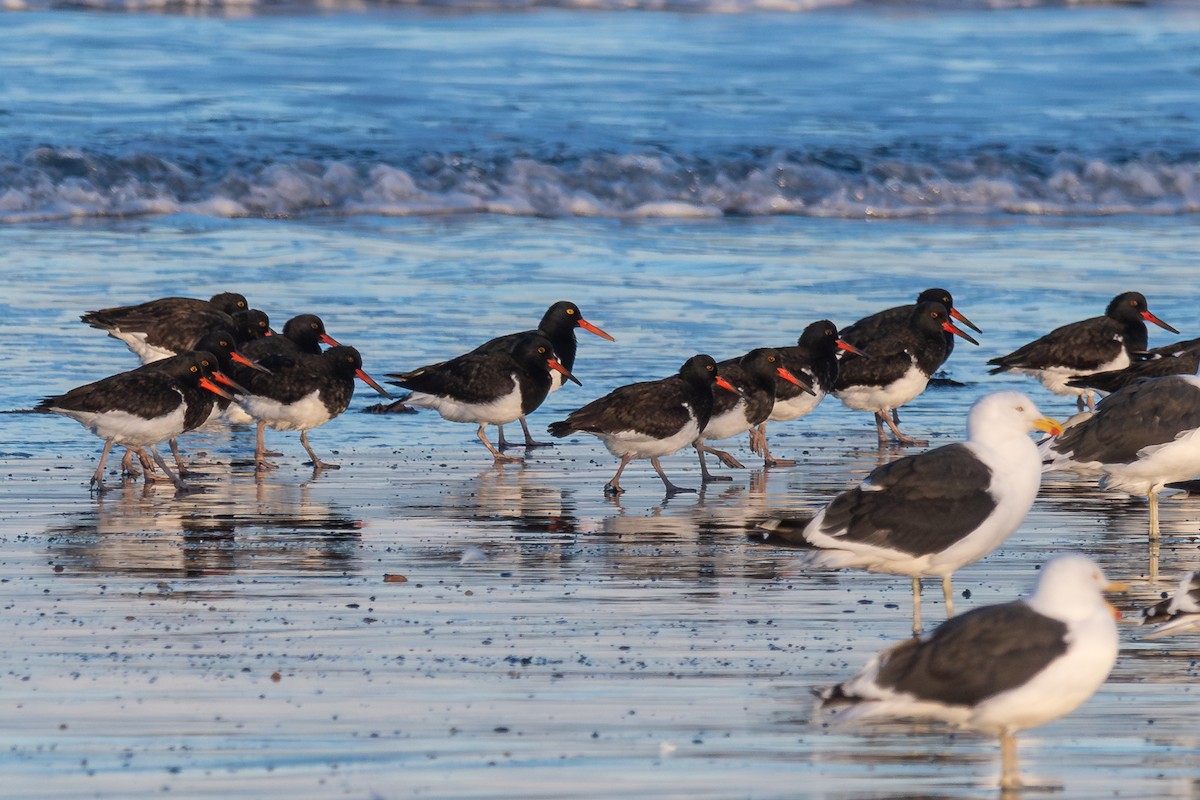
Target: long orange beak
{"points": [[954, 312], [849, 348], [205, 383], [949, 327], [553, 364], [587, 326], [1146, 315], [724, 384], [221, 377], [329, 340], [369, 381], [241, 359], [787, 375]]}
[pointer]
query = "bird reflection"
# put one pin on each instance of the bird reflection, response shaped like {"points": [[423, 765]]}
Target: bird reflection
{"points": [[231, 527], [1123, 528]]}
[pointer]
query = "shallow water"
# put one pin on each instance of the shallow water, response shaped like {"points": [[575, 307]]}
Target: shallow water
{"points": [[548, 641]]}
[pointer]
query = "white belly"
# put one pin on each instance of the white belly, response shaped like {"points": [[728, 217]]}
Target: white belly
{"points": [[1055, 378], [881, 398], [130, 429], [798, 406], [731, 423], [500, 411], [632, 444], [304, 414]]}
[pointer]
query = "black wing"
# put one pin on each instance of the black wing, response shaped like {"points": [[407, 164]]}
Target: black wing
{"points": [[1079, 345], [977, 655], [919, 504], [656, 408], [1149, 412]]}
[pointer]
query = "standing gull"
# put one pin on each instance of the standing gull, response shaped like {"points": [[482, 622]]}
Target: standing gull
{"points": [[933, 512], [998, 669], [1098, 344], [1139, 439]]}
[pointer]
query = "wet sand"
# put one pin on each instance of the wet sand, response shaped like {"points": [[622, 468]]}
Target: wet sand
{"points": [[419, 623]]}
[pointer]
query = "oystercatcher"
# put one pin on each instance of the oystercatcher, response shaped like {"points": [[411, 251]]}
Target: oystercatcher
{"points": [[882, 323], [650, 419], [998, 669], [142, 407], [753, 376], [161, 328], [1099, 344], [814, 358], [558, 325], [300, 393], [488, 388], [933, 512], [902, 360], [206, 406], [302, 336], [1179, 612], [1179, 358], [1139, 439]]}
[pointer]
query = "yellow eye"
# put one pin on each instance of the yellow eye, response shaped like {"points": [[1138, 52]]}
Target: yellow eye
{"points": [[571, 311], [193, 368], [541, 351]]}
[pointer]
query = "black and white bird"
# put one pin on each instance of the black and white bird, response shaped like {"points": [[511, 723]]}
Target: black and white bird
{"points": [[753, 376], [300, 394], [1099, 344], [1139, 439], [998, 669], [902, 360], [882, 323], [161, 328], [1178, 358], [650, 419], [813, 359], [1178, 613], [302, 336], [142, 407], [558, 324], [931, 513], [487, 388]]}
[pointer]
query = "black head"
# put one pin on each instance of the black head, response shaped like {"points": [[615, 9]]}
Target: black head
{"points": [[220, 344], [819, 336], [343, 360], [936, 296], [535, 351], [1132, 306], [308, 331], [565, 315], [188, 368], [251, 324], [702, 369], [229, 302], [928, 318]]}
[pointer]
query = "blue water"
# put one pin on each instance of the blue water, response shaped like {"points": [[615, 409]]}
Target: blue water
{"points": [[697, 176], [869, 110]]}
